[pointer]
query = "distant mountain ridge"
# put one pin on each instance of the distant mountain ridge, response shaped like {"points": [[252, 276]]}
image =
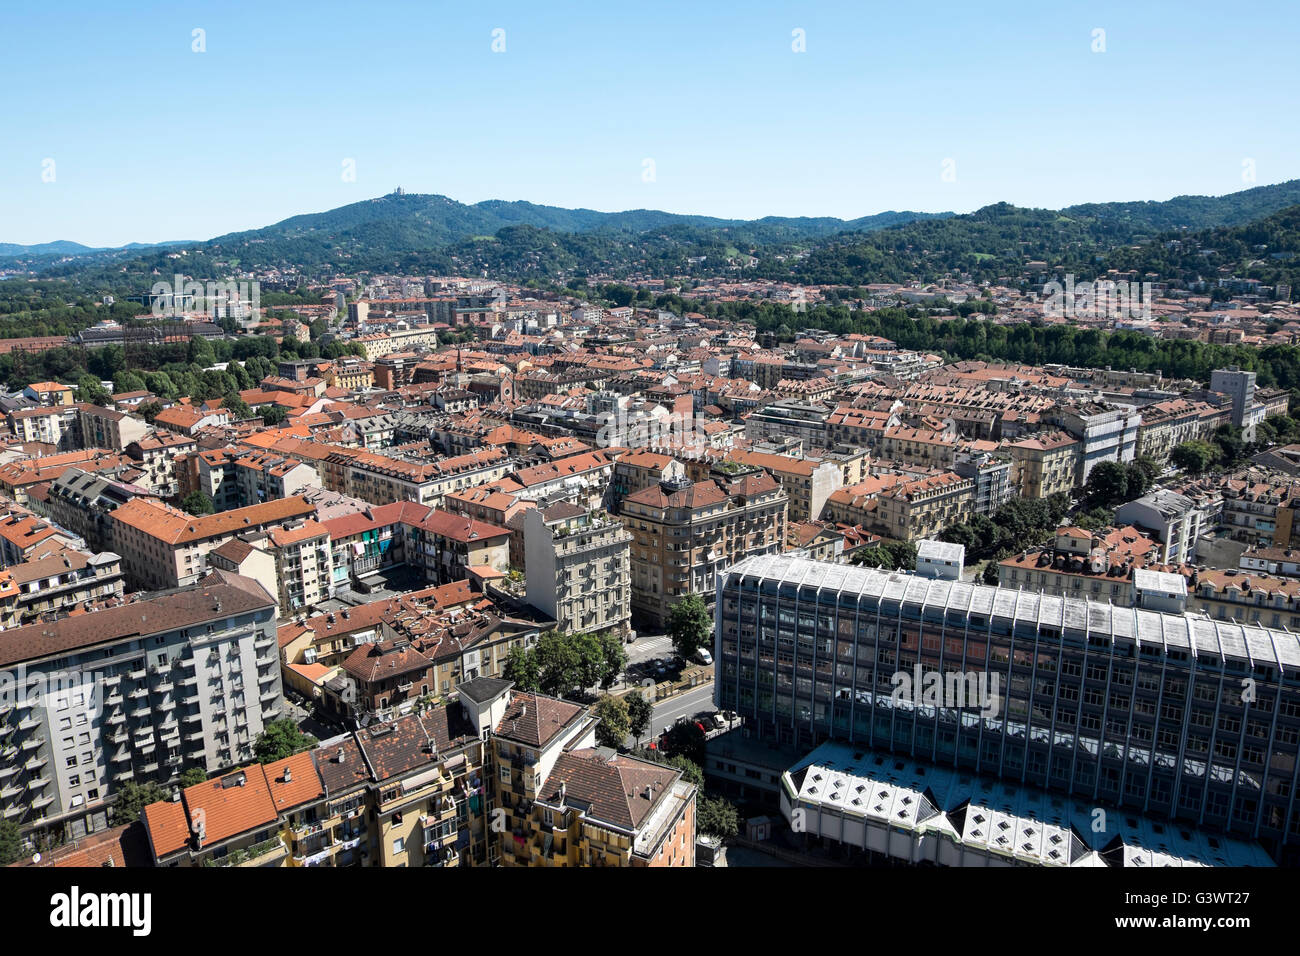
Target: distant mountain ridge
{"points": [[517, 239], [65, 247]]}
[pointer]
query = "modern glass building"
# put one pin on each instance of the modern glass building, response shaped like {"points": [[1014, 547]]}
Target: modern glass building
{"points": [[1173, 715]]}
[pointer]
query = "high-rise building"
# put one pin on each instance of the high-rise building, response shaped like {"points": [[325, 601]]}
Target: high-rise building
{"points": [[1173, 716], [133, 693]]}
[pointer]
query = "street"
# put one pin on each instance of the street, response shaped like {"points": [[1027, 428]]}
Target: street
{"points": [[683, 705]]}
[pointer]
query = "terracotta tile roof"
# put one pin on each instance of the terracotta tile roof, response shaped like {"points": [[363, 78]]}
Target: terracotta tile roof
{"points": [[301, 786], [176, 527], [619, 790], [168, 827], [534, 720]]}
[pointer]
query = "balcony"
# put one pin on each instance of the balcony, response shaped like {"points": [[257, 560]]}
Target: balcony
{"points": [[29, 723], [267, 853], [33, 743], [36, 763]]}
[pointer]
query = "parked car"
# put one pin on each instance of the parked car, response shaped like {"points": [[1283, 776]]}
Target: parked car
{"points": [[703, 656]]}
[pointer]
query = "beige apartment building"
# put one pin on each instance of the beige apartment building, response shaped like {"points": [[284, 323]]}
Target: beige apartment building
{"points": [[686, 533], [1166, 425], [579, 569], [163, 547], [919, 446], [109, 428], [1044, 464], [808, 483], [924, 507], [382, 480]]}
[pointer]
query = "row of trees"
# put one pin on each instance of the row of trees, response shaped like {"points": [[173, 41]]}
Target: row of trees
{"points": [[559, 663]]}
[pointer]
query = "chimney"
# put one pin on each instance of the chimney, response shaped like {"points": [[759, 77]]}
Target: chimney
{"points": [[288, 775], [340, 757]]}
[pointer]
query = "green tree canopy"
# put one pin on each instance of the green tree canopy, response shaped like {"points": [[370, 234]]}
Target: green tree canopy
{"points": [[639, 713], [281, 738], [521, 667], [132, 798], [614, 726], [690, 624], [717, 817], [198, 503]]}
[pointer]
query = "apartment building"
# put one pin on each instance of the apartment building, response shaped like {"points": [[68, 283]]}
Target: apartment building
{"points": [[1044, 464], [17, 477], [1132, 709], [1239, 386], [860, 426], [366, 542], [304, 563], [53, 425], [608, 810], [578, 569], [1253, 510], [1084, 564], [50, 393], [1105, 433], [57, 581], [919, 446], [163, 547], [923, 507], [1166, 425], [83, 502], [444, 546], [1174, 520], [806, 421], [235, 478], [382, 480], [134, 692], [684, 534], [108, 427], [24, 536], [493, 778], [156, 454], [992, 477], [808, 484], [638, 470]]}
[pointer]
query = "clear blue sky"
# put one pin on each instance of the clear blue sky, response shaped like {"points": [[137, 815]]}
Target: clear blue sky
{"points": [[152, 141]]}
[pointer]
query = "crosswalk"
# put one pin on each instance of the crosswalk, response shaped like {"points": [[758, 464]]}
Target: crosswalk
{"points": [[655, 647]]}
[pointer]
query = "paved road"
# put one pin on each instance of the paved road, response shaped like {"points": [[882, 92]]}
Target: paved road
{"points": [[650, 646], [683, 705]]}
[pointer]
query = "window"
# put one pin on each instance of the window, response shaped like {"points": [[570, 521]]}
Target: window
{"points": [[399, 845]]}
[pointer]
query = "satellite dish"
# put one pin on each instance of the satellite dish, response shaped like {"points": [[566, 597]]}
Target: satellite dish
{"points": [[36, 858]]}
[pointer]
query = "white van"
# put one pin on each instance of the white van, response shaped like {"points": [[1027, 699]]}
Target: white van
{"points": [[703, 656]]}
